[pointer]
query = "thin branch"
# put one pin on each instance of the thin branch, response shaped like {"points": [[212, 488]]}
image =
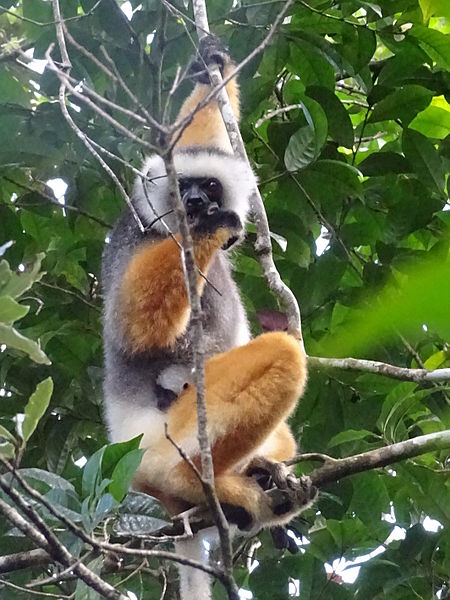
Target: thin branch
{"points": [[48, 23], [62, 102], [52, 200], [24, 560], [33, 592], [312, 456], [278, 111], [380, 368], [70, 293], [65, 79], [381, 457]]}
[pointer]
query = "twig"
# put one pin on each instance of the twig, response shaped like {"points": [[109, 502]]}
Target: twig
{"points": [[381, 457], [48, 23], [52, 200], [380, 368], [313, 456], [65, 79], [62, 102], [33, 592], [278, 111]]}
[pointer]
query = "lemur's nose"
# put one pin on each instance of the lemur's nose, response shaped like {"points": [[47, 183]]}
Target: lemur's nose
{"points": [[195, 202]]}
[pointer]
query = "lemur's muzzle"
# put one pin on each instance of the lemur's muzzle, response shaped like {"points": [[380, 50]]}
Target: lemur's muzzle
{"points": [[197, 203]]}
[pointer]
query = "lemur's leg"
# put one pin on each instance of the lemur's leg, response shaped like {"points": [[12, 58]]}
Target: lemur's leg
{"points": [[250, 391]]}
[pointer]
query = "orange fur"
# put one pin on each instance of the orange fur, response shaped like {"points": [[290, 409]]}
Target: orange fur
{"points": [[154, 302], [207, 127], [250, 391]]}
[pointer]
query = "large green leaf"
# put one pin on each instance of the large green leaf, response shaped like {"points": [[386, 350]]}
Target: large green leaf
{"points": [[422, 155], [434, 121], [10, 310], [16, 341], [36, 407], [15, 284], [435, 43], [340, 127], [431, 8], [418, 298], [403, 103], [305, 145]]}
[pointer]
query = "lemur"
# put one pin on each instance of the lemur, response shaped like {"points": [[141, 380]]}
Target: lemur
{"points": [[252, 385]]}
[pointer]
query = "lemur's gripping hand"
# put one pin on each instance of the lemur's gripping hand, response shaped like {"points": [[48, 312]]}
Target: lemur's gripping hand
{"points": [[211, 51], [223, 225]]}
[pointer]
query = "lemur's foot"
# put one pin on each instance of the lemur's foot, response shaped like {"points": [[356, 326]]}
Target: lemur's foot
{"points": [[295, 498], [269, 473], [211, 51]]}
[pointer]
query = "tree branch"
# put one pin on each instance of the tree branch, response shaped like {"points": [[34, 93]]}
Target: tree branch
{"points": [[381, 457], [24, 560], [380, 368]]}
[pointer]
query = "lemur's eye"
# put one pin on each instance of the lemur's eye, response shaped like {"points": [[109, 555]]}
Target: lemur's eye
{"points": [[213, 188]]}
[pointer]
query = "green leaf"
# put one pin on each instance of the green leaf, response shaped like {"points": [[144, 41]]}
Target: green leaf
{"points": [[13, 284], [349, 435], [435, 43], [305, 145], [339, 175], [5, 434], [434, 121], [431, 8], [7, 450], [137, 525], [115, 452], [403, 103], [123, 473], [424, 158], [380, 163], [10, 310], [418, 298], [311, 65], [92, 473], [340, 127], [16, 341], [36, 407]]}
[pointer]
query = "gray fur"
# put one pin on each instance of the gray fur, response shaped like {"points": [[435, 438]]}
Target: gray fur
{"points": [[154, 378]]}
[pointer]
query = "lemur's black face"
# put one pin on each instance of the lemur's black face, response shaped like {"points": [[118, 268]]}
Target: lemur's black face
{"points": [[201, 196]]}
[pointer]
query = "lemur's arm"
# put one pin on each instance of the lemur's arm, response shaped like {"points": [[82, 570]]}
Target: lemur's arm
{"points": [[207, 127], [154, 304]]}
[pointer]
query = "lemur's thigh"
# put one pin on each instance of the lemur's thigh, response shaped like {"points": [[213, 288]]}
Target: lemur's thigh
{"points": [[250, 391]]}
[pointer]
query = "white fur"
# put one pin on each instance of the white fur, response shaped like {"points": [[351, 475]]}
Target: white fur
{"points": [[174, 377], [236, 178], [194, 584]]}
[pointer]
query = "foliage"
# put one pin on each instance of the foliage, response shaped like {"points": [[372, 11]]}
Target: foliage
{"points": [[359, 162]]}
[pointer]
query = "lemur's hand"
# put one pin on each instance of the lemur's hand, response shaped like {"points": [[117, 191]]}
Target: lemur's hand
{"points": [[211, 220], [211, 51]]}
